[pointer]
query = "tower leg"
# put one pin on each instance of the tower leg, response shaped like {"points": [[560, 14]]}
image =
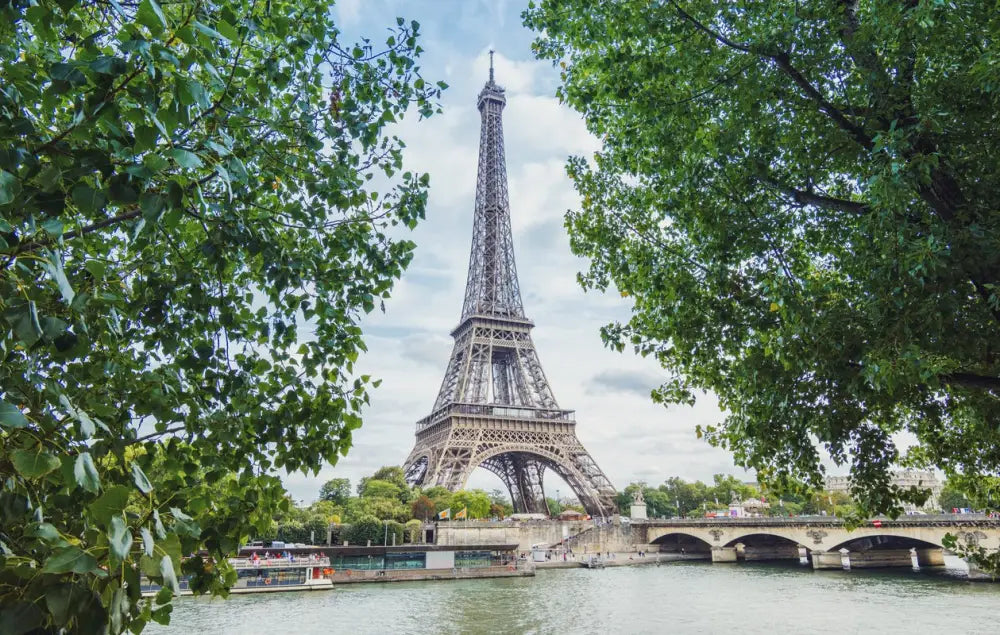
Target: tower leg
{"points": [[522, 474]]}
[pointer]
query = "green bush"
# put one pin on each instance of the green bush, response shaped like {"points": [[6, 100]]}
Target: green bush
{"points": [[366, 528], [413, 530]]}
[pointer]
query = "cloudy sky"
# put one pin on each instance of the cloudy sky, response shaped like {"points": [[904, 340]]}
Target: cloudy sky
{"points": [[630, 437]]}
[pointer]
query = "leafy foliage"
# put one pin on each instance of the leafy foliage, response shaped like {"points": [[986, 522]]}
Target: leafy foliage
{"points": [[414, 530], [364, 529], [799, 200], [475, 500], [422, 508], [336, 490], [677, 497], [186, 196]]}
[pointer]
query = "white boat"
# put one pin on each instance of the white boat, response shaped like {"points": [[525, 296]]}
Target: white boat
{"points": [[259, 575]]}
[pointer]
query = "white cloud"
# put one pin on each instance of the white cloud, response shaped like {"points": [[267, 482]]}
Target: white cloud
{"points": [[348, 11]]}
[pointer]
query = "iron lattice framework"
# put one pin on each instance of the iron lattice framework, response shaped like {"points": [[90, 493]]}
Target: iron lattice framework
{"points": [[495, 408]]}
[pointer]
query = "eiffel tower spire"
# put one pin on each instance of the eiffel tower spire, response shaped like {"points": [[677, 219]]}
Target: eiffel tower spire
{"points": [[492, 287], [495, 408]]}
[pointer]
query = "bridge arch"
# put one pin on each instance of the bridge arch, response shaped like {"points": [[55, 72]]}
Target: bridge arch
{"points": [[765, 546], [681, 542], [888, 540]]}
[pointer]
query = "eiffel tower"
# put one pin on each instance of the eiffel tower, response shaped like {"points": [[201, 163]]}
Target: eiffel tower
{"points": [[495, 408]]}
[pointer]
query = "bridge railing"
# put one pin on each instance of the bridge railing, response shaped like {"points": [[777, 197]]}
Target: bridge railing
{"points": [[778, 521]]}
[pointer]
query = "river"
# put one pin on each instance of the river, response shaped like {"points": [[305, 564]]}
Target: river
{"points": [[690, 597]]}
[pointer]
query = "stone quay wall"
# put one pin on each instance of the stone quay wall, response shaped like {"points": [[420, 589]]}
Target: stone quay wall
{"points": [[584, 536]]}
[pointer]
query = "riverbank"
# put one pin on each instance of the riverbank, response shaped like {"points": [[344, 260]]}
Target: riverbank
{"points": [[628, 559], [355, 576]]}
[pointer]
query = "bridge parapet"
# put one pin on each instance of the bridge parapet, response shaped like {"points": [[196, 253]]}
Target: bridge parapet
{"points": [[937, 520]]}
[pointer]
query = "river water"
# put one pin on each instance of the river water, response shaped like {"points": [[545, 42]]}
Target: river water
{"points": [[689, 597]]}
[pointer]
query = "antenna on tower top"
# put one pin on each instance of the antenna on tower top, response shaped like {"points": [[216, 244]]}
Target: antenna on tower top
{"points": [[491, 66]]}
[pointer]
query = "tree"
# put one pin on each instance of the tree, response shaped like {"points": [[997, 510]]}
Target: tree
{"points": [[392, 474], [327, 510], [422, 508], [687, 497], [500, 505], [441, 497], [364, 529], [379, 507], [336, 490], [379, 489], [414, 529], [182, 187], [394, 534], [555, 507], [799, 202], [315, 529], [476, 501], [952, 497], [658, 504]]}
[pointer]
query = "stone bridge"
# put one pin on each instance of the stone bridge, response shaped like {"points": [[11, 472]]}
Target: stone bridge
{"points": [[825, 541]]}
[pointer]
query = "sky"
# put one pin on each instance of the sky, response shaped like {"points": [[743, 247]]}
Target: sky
{"points": [[629, 436]]}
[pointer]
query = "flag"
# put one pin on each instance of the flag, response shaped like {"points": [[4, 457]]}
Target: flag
{"points": [[462, 514], [445, 514]]}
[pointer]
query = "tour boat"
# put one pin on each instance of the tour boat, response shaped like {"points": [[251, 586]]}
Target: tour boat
{"points": [[263, 575]]}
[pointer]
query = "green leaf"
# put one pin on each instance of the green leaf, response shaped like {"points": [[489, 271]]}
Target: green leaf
{"points": [[70, 559], [169, 577], [33, 464], [86, 474], [147, 541], [53, 227], [119, 539], [20, 617], [108, 65], [53, 265], [59, 599], [53, 327], [185, 158], [145, 138], [8, 187], [24, 318], [139, 477], [67, 73], [46, 532], [11, 416], [161, 532], [227, 30], [109, 504], [96, 268], [183, 524], [88, 199], [191, 92], [151, 16], [152, 206], [209, 31]]}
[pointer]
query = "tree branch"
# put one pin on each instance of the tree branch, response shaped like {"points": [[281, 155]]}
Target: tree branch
{"points": [[783, 61], [83, 231], [971, 380], [963, 379], [804, 197]]}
